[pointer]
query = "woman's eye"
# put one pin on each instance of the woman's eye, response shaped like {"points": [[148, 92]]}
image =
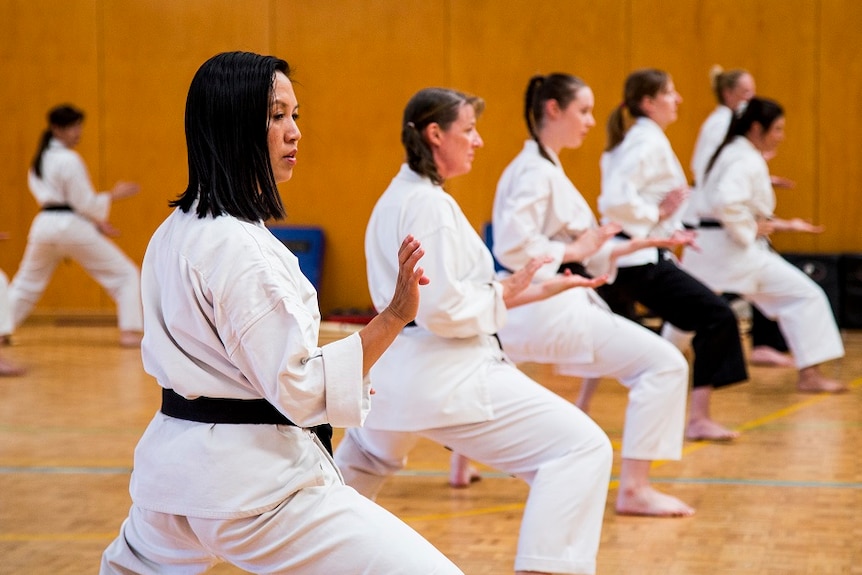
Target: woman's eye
{"points": [[295, 117]]}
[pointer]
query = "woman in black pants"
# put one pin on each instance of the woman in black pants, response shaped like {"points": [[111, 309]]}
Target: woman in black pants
{"points": [[644, 190]]}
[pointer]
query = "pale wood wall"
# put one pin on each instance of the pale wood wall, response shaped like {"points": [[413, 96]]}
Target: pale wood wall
{"points": [[128, 63]]}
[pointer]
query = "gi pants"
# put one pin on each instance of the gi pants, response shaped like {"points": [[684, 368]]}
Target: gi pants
{"points": [[576, 332], [58, 235], [801, 309], [536, 436], [683, 301], [328, 529], [764, 331]]}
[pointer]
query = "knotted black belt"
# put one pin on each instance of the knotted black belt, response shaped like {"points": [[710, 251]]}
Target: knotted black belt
{"points": [[57, 208], [710, 224], [233, 411]]}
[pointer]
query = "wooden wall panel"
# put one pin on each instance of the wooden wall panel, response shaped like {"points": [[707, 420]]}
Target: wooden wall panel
{"points": [[48, 55], [128, 64], [150, 52], [840, 125], [497, 47], [775, 41], [356, 66]]}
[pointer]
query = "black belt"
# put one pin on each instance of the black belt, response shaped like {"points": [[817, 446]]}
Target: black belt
{"points": [[710, 224], [233, 411], [625, 236], [575, 268], [57, 208]]}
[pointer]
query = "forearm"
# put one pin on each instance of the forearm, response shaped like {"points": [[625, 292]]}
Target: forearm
{"points": [[535, 292], [378, 335]]}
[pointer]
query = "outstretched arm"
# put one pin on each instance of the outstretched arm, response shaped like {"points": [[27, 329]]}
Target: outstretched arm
{"points": [[518, 288]]}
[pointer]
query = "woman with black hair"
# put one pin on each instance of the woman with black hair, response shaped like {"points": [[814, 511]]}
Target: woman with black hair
{"points": [[733, 89], [234, 467], [644, 190], [446, 377], [73, 223], [735, 206], [539, 212]]}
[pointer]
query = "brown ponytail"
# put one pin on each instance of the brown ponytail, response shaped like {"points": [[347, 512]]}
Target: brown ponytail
{"points": [[431, 106], [540, 89], [641, 83]]}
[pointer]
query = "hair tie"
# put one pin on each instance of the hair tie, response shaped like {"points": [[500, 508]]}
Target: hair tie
{"points": [[411, 125]]}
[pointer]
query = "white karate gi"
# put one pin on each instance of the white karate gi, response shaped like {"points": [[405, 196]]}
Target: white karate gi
{"points": [[636, 177], [55, 235], [737, 192], [712, 132], [537, 211], [447, 379], [709, 138], [228, 314]]}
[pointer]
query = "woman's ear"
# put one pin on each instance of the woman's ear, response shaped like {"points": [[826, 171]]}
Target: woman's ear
{"points": [[647, 105], [552, 109], [756, 130], [433, 134]]}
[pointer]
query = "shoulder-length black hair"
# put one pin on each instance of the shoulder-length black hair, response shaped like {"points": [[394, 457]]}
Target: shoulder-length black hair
{"points": [[61, 116], [227, 118], [761, 111]]}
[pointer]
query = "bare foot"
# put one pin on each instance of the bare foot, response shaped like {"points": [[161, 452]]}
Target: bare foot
{"points": [[816, 382], [766, 356], [708, 430], [647, 501], [130, 338], [8, 369], [461, 472]]}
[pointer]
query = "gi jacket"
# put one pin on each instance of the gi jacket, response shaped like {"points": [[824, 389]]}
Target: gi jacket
{"points": [[434, 374], [228, 314], [538, 211], [636, 176], [737, 192]]}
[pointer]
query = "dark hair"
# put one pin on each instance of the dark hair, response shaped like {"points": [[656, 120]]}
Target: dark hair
{"points": [[722, 81], [560, 87], [761, 111], [431, 106], [61, 116], [227, 118], [641, 83]]}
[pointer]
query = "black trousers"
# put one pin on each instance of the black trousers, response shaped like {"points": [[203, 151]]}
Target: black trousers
{"points": [[678, 298], [764, 331]]}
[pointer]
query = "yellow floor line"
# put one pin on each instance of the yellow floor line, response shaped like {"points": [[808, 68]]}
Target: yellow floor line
{"points": [[747, 426], [691, 448]]}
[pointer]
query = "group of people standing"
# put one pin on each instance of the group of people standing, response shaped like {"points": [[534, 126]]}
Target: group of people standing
{"points": [[237, 465]]}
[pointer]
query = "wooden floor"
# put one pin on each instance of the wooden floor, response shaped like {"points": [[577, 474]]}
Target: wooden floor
{"points": [[784, 499]]}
